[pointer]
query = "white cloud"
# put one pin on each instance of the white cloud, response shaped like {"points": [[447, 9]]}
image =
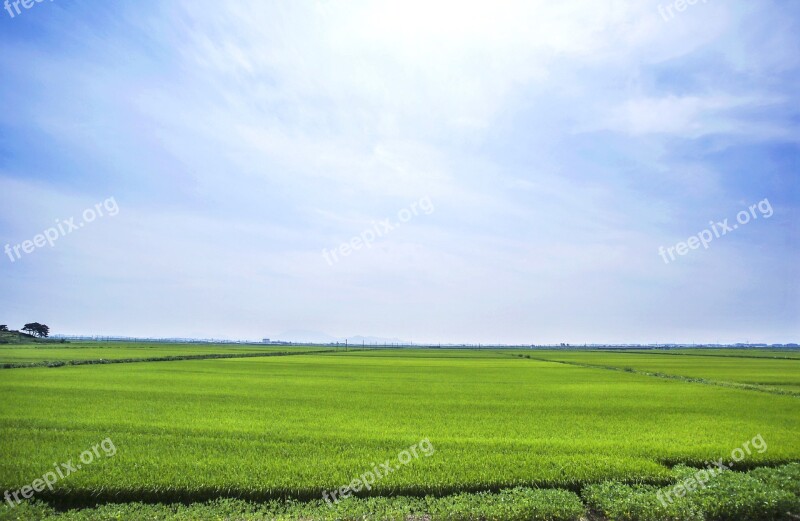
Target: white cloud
{"points": [[683, 116], [245, 137]]}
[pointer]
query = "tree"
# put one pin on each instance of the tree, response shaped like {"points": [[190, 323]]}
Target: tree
{"points": [[43, 331], [3, 327], [37, 329], [30, 328]]}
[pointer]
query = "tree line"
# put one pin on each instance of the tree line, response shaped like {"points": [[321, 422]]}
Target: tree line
{"points": [[32, 328]]}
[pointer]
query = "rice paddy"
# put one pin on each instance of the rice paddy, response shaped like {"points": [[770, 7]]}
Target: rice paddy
{"points": [[290, 427]]}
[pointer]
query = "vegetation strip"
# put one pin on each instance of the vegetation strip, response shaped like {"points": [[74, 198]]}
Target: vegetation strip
{"points": [[763, 494], [61, 363], [663, 352], [687, 379]]}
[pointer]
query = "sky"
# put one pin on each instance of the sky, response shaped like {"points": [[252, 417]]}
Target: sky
{"points": [[433, 171]]}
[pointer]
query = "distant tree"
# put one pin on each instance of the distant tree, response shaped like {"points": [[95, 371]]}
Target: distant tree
{"points": [[37, 329], [3, 327], [30, 328]]}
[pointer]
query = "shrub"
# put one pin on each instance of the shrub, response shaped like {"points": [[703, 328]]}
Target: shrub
{"points": [[619, 502], [733, 496], [521, 504], [761, 495], [785, 478]]}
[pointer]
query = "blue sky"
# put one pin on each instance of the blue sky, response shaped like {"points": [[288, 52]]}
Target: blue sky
{"points": [[560, 145]]}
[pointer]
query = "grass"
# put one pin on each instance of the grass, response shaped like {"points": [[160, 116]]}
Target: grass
{"points": [[16, 337], [765, 494], [115, 351], [765, 373], [761, 495], [261, 429], [781, 354], [511, 505]]}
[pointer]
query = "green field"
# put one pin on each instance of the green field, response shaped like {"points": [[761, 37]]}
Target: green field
{"points": [[766, 373], [785, 353], [293, 426], [12, 354]]}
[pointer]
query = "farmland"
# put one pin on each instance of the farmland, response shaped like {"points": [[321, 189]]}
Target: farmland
{"points": [[782, 354], [267, 429], [86, 351], [760, 372]]}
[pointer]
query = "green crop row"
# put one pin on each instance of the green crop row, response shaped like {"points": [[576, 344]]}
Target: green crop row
{"points": [[44, 353], [766, 373], [760, 495], [766, 494]]}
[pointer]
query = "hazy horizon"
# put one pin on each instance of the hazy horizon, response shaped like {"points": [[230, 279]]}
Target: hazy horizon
{"points": [[320, 337]]}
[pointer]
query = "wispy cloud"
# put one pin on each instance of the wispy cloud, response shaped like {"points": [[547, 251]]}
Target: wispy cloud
{"points": [[563, 142]]}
